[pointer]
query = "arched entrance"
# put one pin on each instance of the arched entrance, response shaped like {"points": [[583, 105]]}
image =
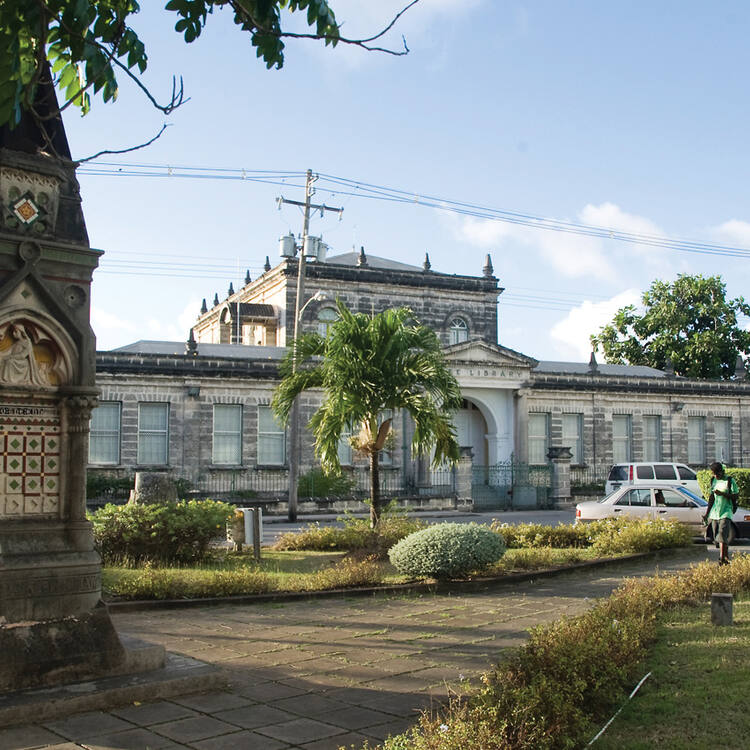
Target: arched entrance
{"points": [[471, 430]]}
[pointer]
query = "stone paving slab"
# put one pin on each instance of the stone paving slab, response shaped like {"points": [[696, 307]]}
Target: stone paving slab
{"points": [[332, 672]]}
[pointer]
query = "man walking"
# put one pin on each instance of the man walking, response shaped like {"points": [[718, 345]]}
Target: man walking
{"points": [[722, 504]]}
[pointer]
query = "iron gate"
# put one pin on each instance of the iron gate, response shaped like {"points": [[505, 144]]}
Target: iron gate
{"points": [[510, 485]]}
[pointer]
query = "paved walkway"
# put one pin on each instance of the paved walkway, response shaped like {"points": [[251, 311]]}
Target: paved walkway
{"points": [[319, 674]]}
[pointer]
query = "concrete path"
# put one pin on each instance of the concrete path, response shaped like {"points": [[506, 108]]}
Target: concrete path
{"points": [[319, 674]]}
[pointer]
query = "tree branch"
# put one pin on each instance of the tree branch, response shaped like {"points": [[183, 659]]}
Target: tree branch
{"points": [[125, 150]]}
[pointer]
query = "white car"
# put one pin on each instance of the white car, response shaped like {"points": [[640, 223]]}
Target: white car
{"points": [[652, 472], [656, 501]]}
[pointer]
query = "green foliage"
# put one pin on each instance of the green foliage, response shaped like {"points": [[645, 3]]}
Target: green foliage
{"points": [[447, 550], [613, 537], [689, 323], [742, 477], [348, 573], [164, 532], [367, 365], [103, 485], [87, 41], [170, 583], [355, 535], [571, 673], [316, 483], [529, 535]]}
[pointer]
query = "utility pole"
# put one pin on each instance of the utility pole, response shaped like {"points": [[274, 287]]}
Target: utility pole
{"points": [[294, 430]]}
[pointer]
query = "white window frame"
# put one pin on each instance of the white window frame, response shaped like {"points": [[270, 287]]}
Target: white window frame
{"points": [[538, 438], [458, 331], [696, 441], [572, 436], [162, 433], [226, 444], [723, 439], [652, 437], [98, 434], [274, 453], [622, 438], [345, 450]]}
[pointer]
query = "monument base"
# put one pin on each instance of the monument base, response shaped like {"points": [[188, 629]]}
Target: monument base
{"points": [[52, 652]]}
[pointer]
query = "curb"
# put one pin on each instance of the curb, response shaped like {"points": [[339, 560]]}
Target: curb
{"points": [[438, 587]]}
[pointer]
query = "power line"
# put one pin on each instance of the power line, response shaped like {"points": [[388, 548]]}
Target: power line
{"points": [[362, 189]]}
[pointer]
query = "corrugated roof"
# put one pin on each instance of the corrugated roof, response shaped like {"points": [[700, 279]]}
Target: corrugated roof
{"points": [[582, 368], [232, 351]]}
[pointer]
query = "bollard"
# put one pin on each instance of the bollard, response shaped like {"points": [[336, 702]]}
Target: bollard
{"points": [[721, 609], [253, 528]]}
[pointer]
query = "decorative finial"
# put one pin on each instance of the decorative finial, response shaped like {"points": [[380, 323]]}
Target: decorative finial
{"points": [[740, 373], [362, 259], [204, 307], [216, 299], [191, 346], [247, 277], [231, 289], [267, 265], [593, 364], [487, 269], [426, 265], [669, 367]]}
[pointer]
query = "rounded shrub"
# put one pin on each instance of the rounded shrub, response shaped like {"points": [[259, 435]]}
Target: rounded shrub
{"points": [[447, 550]]}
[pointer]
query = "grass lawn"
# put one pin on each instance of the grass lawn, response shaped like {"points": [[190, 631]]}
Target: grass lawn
{"points": [[232, 573], [697, 695]]}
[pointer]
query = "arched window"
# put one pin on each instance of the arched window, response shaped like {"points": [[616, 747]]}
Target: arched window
{"points": [[327, 316], [458, 331]]}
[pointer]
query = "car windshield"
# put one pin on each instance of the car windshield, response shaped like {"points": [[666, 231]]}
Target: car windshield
{"points": [[611, 494], [692, 496], [618, 473]]}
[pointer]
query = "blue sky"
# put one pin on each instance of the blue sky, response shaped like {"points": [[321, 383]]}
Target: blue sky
{"points": [[630, 116]]}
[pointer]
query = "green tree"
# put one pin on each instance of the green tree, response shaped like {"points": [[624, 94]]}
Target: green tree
{"points": [[365, 366], [87, 42], [688, 323]]}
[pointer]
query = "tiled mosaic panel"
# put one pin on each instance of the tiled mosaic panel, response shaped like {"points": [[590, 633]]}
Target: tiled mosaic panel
{"points": [[29, 467]]}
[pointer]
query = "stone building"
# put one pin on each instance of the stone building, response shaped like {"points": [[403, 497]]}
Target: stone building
{"points": [[201, 409]]}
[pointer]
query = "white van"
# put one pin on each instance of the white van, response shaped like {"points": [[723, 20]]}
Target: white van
{"points": [[652, 473]]}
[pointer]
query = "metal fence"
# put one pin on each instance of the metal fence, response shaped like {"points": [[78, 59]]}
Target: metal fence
{"points": [[510, 485], [352, 483], [589, 479]]}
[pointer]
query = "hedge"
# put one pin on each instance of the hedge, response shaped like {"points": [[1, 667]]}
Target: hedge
{"points": [[742, 476]]}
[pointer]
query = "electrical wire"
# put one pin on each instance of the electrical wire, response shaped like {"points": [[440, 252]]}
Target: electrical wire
{"points": [[366, 190]]}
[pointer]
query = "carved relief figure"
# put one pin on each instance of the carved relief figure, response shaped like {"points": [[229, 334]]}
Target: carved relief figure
{"points": [[18, 365]]}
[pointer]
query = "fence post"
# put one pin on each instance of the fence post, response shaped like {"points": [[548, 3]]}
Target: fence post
{"points": [[560, 459], [464, 475]]}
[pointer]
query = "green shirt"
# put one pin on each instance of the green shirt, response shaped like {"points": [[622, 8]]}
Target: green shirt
{"points": [[722, 488]]}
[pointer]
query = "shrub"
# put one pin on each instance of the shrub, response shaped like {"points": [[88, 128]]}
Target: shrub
{"points": [[571, 672], [524, 535], [170, 583], [355, 534], [164, 532], [316, 483], [616, 536], [347, 573], [743, 483], [447, 550]]}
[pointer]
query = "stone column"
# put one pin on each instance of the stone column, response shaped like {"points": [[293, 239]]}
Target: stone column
{"points": [[521, 413], [464, 475], [560, 460], [76, 417]]}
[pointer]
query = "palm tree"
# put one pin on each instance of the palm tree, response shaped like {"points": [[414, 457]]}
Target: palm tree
{"points": [[365, 366]]}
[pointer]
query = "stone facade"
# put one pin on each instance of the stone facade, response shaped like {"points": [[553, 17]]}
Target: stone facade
{"points": [[516, 409]]}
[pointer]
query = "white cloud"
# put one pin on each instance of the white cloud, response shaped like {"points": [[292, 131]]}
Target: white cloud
{"points": [[571, 334], [174, 330], [572, 255], [735, 231]]}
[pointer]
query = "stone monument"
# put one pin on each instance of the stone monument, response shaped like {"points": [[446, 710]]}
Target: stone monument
{"points": [[53, 626]]}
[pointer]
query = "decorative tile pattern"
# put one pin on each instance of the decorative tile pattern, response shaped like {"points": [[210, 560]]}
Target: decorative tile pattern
{"points": [[30, 461]]}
